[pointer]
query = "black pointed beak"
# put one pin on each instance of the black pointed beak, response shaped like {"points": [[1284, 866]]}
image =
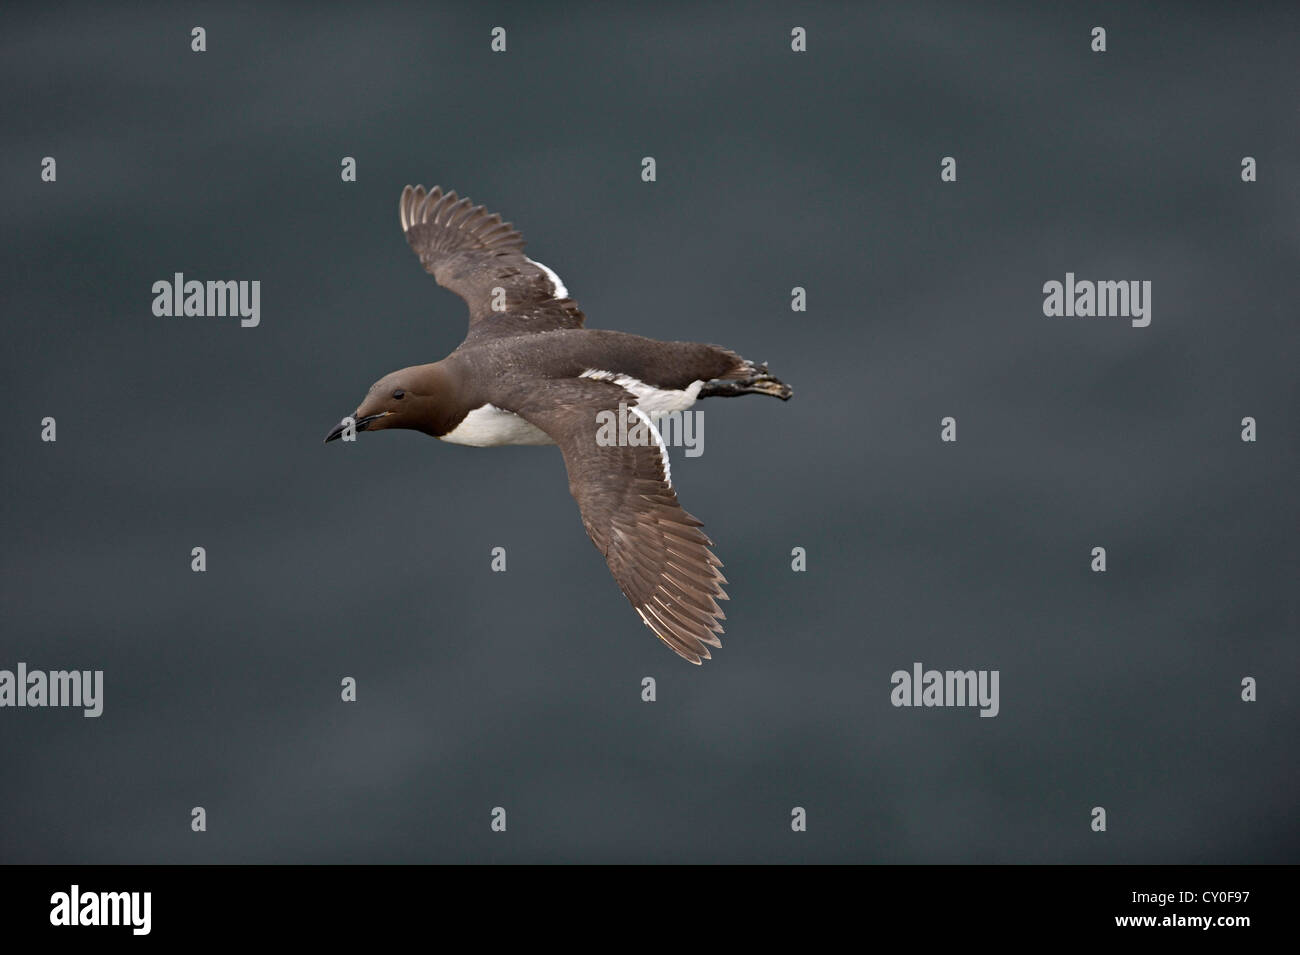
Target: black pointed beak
{"points": [[362, 423]]}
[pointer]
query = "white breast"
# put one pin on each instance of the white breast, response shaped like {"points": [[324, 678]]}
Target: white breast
{"points": [[490, 427]]}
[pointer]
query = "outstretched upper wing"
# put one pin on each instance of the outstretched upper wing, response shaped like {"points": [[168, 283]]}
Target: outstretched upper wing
{"points": [[481, 259], [656, 551]]}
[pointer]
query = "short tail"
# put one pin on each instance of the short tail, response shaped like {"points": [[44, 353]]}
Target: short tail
{"points": [[749, 379]]}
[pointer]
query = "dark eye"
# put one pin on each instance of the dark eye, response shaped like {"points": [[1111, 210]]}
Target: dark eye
{"points": [[399, 394]]}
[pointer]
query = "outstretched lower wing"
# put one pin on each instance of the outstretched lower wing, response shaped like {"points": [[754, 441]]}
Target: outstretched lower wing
{"points": [[654, 548], [472, 252]]}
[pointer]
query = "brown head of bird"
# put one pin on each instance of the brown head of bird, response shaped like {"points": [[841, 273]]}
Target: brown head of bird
{"points": [[407, 398]]}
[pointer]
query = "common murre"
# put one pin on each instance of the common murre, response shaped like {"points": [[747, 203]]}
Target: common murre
{"points": [[528, 373]]}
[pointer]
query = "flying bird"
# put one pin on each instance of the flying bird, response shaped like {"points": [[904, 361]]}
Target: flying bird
{"points": [[529, 373]]}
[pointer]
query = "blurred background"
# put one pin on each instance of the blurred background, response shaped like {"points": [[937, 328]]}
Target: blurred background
{"points": [[522, 689]]}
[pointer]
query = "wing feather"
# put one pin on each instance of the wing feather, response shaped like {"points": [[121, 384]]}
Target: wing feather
{"points": [[475, 254], [654, 548]]}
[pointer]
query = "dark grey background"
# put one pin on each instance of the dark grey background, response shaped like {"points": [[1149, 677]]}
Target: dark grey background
{"points": [[522, 689]]}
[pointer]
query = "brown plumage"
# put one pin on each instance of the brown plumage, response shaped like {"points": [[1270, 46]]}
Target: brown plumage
{"points": [[528, 372], [654, 548], [472, 252]]}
